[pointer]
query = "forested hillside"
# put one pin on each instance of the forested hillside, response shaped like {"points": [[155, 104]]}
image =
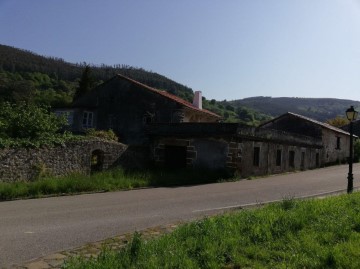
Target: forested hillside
{"points": [[321, 109], [25, 75], [17, 61], [52, 81]]}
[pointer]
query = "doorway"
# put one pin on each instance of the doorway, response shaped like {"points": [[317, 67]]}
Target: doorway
{"points": [[175, 157]]}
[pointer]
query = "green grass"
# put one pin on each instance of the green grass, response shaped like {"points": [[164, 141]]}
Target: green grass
{"points": [[290, 234], [116, 179]]}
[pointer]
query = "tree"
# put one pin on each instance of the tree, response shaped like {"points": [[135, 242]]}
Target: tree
{"points": [[245, 114], [28, 121], [86, 83], [338, 121]]}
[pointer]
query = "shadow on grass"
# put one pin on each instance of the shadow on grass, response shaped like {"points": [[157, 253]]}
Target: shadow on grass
{"points": [[111, 180], [187, 177]]}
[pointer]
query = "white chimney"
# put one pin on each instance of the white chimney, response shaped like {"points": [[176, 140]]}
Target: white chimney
{"points": [[197, 102]]}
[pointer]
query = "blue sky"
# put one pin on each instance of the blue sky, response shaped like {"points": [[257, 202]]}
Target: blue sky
{"points": [[227, 49]]}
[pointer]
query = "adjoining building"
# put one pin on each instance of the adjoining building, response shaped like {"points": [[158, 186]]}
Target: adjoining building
{"points": [[246, 151], [335, 141]]}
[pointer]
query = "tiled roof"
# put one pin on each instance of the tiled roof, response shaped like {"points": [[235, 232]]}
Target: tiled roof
{"points": [[170, 96], [322, 124]]}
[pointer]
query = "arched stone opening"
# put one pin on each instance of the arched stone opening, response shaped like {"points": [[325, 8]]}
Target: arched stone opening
{"points": [[97, 160]]}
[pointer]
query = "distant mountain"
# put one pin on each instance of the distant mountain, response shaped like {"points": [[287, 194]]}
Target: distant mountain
{"points": [[320, 109]]}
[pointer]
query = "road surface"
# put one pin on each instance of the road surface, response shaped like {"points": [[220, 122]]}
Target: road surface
{"points": [[34, 228]]}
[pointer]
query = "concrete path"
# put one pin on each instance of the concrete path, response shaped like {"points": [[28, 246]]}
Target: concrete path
{"points": [[34, 228]]}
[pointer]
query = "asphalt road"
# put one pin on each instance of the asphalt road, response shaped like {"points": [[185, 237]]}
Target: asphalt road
{"points": [[33, 228]]}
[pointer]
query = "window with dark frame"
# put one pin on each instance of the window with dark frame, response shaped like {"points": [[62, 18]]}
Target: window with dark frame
{"points": [[278, 157], [88, 119], [256, 161]]}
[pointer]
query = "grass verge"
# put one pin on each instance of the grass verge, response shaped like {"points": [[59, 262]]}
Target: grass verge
{"points": [[290, 234], [111, 180]]}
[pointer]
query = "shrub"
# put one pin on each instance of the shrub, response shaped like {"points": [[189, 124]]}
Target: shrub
{"points": [[108, 135], [27, 125], [28, 121]]}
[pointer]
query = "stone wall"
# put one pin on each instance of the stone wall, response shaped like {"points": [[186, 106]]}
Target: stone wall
{"points": [[336, 146], [73, 157]]}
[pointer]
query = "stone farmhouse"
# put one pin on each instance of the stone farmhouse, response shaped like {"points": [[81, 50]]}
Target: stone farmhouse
{"points": [[127, 107], [173, 133]]}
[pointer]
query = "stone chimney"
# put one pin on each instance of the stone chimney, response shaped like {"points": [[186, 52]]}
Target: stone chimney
{"points": [[197, 102]]}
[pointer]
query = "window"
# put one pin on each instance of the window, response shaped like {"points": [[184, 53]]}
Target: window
{"points": [[88, 119], [278, 157], [292, 158], [338, 143], [256, 156], [148, 118]]}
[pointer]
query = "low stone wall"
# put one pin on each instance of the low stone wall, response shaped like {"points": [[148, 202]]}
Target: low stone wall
{"points": [[78, 156]]}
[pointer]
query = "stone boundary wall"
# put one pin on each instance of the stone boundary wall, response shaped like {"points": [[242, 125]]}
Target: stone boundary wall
{"points": [[22, 164]]}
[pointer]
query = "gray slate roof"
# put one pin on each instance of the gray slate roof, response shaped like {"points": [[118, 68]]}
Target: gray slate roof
{"points": [[322, 124]]}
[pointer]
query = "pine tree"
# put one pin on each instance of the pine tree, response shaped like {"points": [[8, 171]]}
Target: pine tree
{"points": [[86, 83]]}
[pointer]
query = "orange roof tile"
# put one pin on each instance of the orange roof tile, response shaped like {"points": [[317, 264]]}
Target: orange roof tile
{"points": [[170, 96]]}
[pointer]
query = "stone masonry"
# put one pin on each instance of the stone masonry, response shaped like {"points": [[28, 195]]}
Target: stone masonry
{"points": [[22, 164]]}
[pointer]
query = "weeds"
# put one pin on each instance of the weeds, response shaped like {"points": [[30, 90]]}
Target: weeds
{"points": [[111, 180]]}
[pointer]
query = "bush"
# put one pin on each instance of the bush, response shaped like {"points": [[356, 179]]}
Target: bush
{"points": [[28, 121], [108, 135], [27, 125]]}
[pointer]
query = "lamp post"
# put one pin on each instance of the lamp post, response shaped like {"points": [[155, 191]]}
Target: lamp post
{"points": [[351, 115]]}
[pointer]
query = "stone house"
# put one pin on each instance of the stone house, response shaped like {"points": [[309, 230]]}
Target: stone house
{"points": [[127, 107], [335, 141]]}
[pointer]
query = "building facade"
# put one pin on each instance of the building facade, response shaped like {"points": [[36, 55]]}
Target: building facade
{"points": [[240, 149]]}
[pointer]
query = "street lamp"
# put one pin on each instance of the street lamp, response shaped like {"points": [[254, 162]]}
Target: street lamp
{"points": [[351, 115]]}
